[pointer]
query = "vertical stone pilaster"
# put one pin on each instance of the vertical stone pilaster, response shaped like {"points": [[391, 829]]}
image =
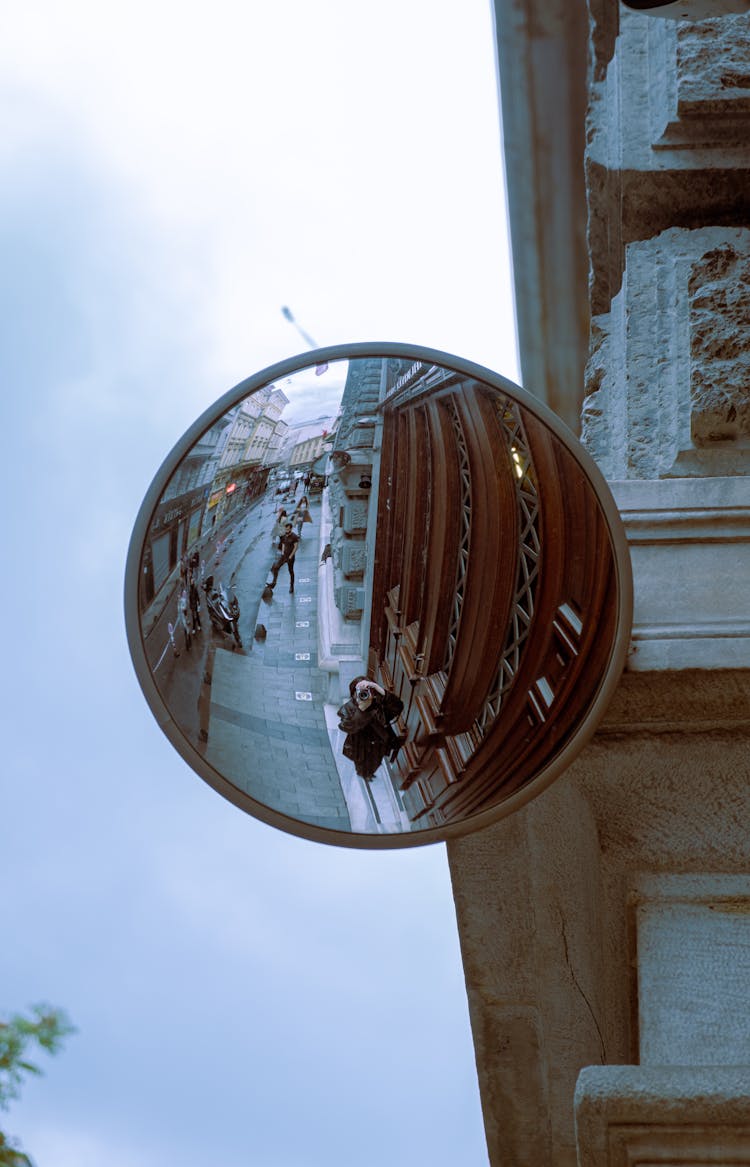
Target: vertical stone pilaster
{"points": [[533, 975]]}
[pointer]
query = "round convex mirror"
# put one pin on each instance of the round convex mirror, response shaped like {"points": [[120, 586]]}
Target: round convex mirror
{"points": [[378, 596]]}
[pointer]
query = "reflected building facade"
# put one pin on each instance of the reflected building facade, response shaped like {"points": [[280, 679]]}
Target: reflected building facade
{"points": [[227, 467], [432, 473], [486, 619], [353, 471], [307, 443], [180, 518], [253, 440]]}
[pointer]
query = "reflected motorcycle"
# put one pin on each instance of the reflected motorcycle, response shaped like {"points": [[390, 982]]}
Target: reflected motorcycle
{"points": [[223, 611]]}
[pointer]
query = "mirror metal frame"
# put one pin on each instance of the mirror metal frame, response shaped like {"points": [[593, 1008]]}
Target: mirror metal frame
{"points": [[361, 840]]}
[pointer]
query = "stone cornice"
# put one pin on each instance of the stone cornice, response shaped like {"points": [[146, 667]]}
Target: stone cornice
{"points": [[689, 541], [694, 701], [677, 1114], [687, 510]]}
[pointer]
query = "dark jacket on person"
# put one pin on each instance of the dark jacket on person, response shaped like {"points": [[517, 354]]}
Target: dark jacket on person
{"points": [[369, 737]]}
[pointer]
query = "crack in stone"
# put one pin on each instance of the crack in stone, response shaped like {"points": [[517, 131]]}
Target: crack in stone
{"points": [[577, 984]]}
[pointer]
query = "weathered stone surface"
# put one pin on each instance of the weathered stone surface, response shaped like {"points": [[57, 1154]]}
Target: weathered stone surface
{"points": [[693, 942], [350, 601], [667, 138], [628, 1115], [353, 558], [526, 920], [712, 66], [668, 381], [699, 98], [628, 205], [546, 899], [354, 519], [692, 701], [719, 307]]}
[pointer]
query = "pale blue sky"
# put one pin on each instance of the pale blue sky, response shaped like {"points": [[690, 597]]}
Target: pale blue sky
{"points": [[171, 176]]}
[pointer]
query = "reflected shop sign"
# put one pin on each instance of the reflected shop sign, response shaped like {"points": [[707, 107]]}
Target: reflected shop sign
{"points": [[410, 676]]}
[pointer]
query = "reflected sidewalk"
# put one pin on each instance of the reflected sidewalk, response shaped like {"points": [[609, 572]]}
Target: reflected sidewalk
{"points": [[374, 807], [266, 719]]}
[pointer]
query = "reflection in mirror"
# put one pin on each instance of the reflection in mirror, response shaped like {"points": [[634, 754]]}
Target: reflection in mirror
{"points": [[378, 595]]}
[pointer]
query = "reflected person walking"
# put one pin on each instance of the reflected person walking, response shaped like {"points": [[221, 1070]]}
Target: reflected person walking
{"points": [[288, 548]]}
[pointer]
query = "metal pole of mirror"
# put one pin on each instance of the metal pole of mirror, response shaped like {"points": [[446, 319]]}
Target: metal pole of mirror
{"points": [[288, 315]]}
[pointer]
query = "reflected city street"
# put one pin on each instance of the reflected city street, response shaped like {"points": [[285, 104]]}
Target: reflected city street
{"points": [[263, 710], [378, 596]]}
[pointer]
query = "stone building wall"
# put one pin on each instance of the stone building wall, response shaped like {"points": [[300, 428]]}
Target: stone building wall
{"points": [[604, 927]]}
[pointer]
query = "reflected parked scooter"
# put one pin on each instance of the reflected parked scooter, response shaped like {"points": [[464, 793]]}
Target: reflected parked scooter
{"points": [[224, 612]]}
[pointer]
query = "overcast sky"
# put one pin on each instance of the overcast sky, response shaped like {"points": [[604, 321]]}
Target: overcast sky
{"points": [[172, 174]]}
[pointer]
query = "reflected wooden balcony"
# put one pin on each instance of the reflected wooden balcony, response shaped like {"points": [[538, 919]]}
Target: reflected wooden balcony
{"points": [[492, 585]]}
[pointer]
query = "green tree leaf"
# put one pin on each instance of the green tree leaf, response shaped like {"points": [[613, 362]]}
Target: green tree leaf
{"points": [[43, 1026]]}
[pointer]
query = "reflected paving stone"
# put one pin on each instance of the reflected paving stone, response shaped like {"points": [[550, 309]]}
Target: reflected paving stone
{"points": [[288, 736], [284, 659], [301, 663], [274, 747]]}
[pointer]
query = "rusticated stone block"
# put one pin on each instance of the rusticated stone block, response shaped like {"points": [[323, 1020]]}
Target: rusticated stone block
{"points": [[712, 65], [668, 380], [701, 95], [355, 516], [667, 138], [353, 559], [350, 601], [719, 306]]}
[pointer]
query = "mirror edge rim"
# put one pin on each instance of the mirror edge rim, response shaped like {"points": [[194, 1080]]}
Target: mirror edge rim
{"points": [[362, 840]]}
